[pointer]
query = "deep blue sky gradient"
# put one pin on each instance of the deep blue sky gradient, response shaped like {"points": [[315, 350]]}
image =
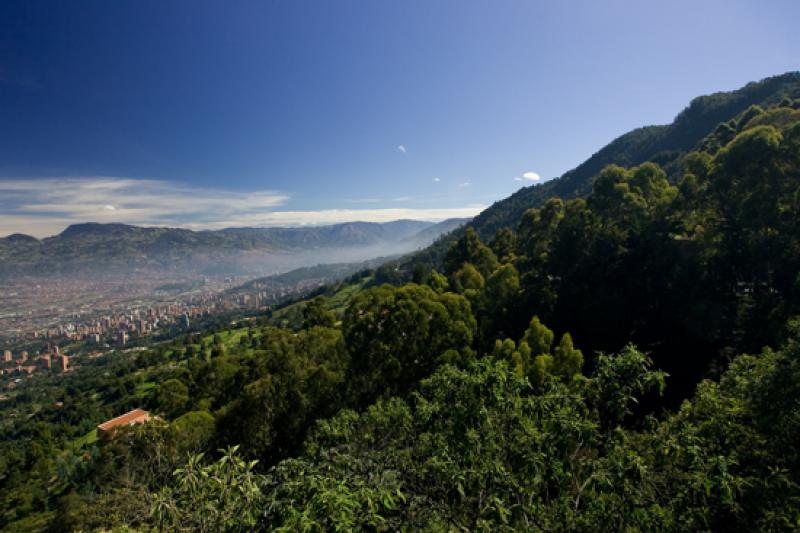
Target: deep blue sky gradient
{"points": [[312, 98]]}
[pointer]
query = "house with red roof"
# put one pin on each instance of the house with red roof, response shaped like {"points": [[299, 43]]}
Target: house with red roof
{"points": [[137, 416]]}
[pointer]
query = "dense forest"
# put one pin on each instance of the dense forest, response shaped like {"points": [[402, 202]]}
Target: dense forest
{"points": [[625, 359]]}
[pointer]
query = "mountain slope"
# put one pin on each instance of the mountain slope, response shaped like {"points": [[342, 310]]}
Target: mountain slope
{"points": [[665, 145], [430, 234], [662, 144], [345, 234], [93, 247]]}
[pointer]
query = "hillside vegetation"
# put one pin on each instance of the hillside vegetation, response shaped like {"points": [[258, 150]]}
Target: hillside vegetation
{"points": [[665, 145], [627, 360]]}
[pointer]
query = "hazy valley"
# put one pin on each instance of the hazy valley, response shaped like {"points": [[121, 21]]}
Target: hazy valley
{"points": [[91, 270]]}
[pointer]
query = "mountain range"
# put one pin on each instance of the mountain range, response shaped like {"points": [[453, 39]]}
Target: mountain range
{"points": [[93, 248]]}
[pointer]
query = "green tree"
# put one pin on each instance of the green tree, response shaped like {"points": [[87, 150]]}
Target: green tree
{"points": [[438, 282], [397, 336], [467, 278], [473, 450], [172, 397], [221, 496], [567, 360], [193, 431], [502, 289], [470, 249], [298, 379], [316, 313], [539, 337], [503, 245]]}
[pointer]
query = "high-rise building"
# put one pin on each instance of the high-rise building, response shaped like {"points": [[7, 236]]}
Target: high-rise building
{"points": [[63, 362], [7, 356]]}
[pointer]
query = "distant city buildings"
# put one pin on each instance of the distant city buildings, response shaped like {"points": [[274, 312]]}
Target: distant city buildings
{"points": [[45, 362], [118, 326], [62, 361], [100, 329]]}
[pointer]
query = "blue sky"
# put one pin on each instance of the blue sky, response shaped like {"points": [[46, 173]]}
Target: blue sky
{"points": [[207, 114]]}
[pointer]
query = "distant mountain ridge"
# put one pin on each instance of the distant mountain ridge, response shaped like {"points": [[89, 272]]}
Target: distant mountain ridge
{"points": [[662, 144], [90, 247], [349, 233], [432, 233]]}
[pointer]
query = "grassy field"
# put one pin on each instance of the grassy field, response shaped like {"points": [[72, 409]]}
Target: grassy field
{"points": [[87, 440], [144, 388], [338, 302], [341, 299]]}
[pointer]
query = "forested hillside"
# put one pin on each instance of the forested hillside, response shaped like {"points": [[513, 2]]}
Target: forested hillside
{"points": [[665, 145], [624, 361]]}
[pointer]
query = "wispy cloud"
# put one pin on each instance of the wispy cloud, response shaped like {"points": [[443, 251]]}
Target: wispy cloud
{"points": [[528, 176], [436, 180], [465, 184], [401, 148], [44, 207]]}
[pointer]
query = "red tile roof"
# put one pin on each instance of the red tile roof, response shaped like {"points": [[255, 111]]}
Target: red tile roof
{"points": [[137, 416]]}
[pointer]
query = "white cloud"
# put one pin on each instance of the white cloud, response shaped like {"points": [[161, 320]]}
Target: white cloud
{"points": [[528, 176], [465, 184], [436, 180], [43, 207], [401, 148]]}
